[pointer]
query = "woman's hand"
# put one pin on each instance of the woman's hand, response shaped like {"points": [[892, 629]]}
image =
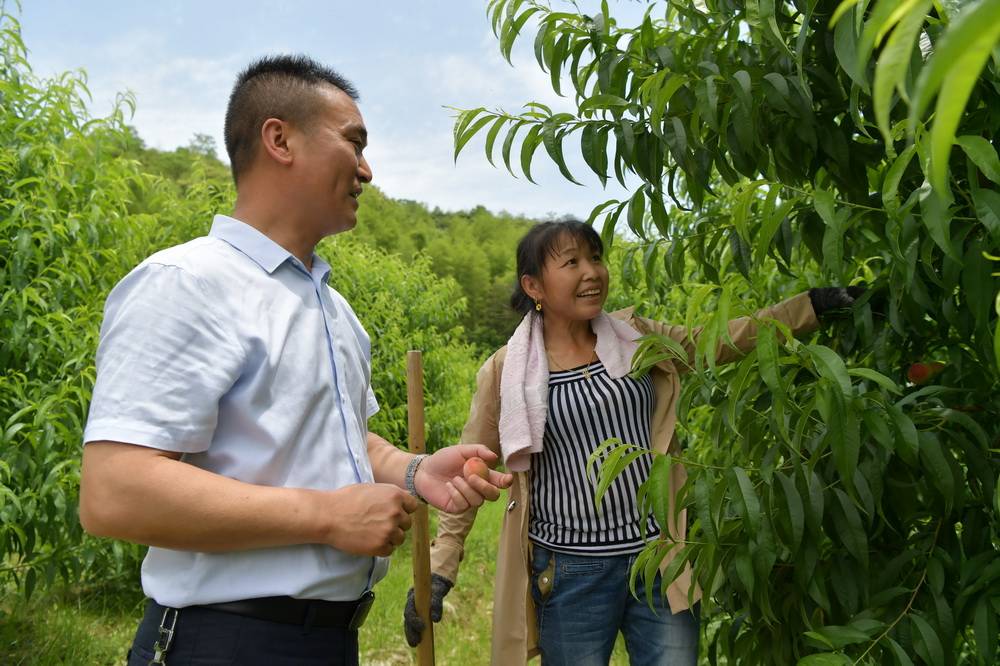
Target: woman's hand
{"points": [[826, 300]]}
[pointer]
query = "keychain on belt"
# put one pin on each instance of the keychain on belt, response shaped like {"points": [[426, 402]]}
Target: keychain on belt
{"points": [[162, 644]]}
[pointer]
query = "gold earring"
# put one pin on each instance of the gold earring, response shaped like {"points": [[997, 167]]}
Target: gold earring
{"points": [[538, 306]]}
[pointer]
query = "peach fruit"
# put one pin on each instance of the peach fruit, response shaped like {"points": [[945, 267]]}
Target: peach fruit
{"points": [[475, 467]]}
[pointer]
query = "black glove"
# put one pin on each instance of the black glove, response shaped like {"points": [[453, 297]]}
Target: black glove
{"points": [[413, 626], [825, 299]]}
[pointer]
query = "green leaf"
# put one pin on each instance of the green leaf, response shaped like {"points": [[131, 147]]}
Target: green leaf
{"points": [[982, 154], [877, 377], [932, 652], [557, 58], [831, 366], [894, 62], [845, 45], [528, 146], [846, 443], [768, 22], [932, 456], [908, 442], [842, 8], [661, 97], [491, 137], [996, 337], [890, 186], [636, 213], [598, 209], [744, 568], [614, 465], [773, 218], [767, 357], [594, 146], [796, 510], [740, 251], [749, 503], [659, 214], [552, 139], [824, 658], [462, 123], [508, 144], [880, 21], [659, 487], [852, 532], [743, 89], [601, 101], [937, 217], [836, 636], [703, 509], [985, 627], [902, 659], [987, 204], [511, 29], [779, 92], [950, 73]]}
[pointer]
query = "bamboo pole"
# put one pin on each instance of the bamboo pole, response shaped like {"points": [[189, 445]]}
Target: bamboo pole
{"points": [[421, 537]]}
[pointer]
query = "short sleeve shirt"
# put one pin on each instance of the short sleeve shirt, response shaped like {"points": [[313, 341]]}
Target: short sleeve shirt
{"points": [[228, 350]]}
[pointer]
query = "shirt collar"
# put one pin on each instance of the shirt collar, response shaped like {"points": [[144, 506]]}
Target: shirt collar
{"points": [[262, 250]]}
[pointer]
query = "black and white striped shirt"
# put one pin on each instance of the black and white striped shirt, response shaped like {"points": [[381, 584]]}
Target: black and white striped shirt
{"points": [[583, 412]]}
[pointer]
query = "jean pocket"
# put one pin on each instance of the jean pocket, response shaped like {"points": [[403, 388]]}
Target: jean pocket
{"points": [[543, 565], [582, 568]]}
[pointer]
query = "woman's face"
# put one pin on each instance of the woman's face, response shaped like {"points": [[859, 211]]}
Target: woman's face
{"points": [[574, 281]]}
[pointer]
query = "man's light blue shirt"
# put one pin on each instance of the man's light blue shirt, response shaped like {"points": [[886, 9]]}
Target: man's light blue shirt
{"points": [[230, 351]]}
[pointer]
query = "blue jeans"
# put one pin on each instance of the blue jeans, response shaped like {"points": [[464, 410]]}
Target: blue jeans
{"points": [[583, 602]]}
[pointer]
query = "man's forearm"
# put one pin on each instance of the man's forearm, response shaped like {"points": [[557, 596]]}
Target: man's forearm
{"points": [[388, 462], [146, 496]]}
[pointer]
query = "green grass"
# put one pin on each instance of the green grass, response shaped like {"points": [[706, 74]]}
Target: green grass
{"points": [[63, 627], [96, 627]]}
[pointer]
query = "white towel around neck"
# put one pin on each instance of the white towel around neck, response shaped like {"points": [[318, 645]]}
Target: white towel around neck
{"points": [[524, 381]]}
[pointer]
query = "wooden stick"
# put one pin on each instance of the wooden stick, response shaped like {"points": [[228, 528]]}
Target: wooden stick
{"points": [[421, 537]]}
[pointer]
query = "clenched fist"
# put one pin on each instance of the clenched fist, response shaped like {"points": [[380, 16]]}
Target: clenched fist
{"points": [[369, 518]]}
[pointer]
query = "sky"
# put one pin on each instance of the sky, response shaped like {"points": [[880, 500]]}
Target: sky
{"points": [[410, 60]]}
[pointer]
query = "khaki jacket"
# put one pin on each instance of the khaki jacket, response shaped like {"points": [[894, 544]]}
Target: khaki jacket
{"points": [[514, 625]]}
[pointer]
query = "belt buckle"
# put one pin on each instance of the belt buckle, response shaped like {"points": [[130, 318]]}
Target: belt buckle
{"points": [[361, 612]]}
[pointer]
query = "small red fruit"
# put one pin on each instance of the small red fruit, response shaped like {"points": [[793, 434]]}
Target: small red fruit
{"points": [[476, 467], [921, 373]]}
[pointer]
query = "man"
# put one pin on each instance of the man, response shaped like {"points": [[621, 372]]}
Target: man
{"points": [[228, 426]]}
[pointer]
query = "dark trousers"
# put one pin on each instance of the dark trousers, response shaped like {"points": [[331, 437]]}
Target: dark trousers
{"points": [[205, 637]]}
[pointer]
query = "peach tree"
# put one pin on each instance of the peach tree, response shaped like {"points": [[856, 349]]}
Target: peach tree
{"points": [[842, 490]]}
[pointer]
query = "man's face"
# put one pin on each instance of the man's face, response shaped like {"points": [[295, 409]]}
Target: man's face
{"points": [[329, 163]]}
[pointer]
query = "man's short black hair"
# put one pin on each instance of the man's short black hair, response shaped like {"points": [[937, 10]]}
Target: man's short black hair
{"points": [[283, 87]]}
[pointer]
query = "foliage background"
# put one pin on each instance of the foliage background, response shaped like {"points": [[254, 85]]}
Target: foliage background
{"points": [[842, 512]]}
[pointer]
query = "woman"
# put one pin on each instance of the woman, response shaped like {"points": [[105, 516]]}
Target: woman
{"points": [[544, 402]]}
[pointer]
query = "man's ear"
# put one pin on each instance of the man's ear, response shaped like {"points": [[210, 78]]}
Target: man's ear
{"points": [[274, 134], [532, 286]]}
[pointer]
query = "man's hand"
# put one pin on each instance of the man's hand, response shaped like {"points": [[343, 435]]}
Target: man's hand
{"points": [[440, 481], [371, 518]]}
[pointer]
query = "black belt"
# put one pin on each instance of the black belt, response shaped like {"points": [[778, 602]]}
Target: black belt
{"points": [[305, 612]]}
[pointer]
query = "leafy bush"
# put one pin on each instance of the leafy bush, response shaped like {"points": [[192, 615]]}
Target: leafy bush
{"points": [[845, 504]]}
